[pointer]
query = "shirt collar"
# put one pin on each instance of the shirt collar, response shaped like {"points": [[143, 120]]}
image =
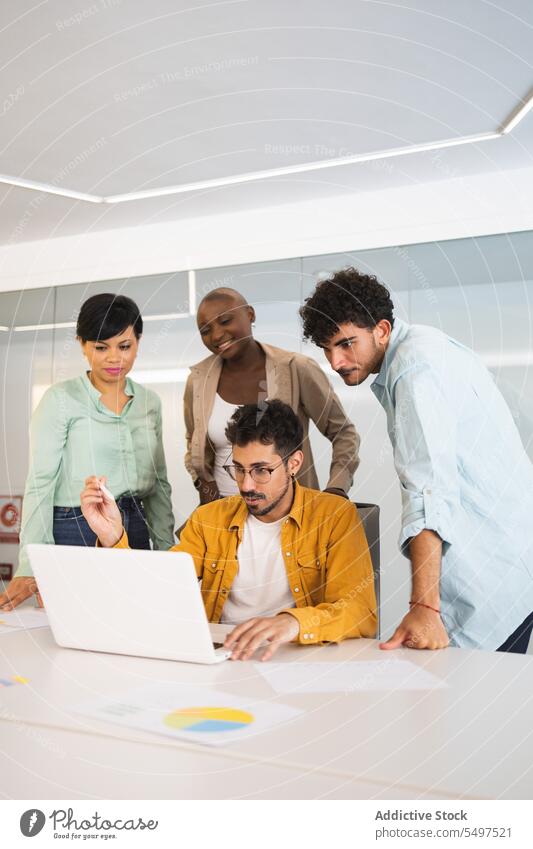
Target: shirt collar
{"points": [[92, 391], [398, 334], [95, 394], [295, 513]]}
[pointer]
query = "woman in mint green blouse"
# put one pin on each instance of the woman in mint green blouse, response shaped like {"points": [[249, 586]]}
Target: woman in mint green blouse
{"points": [[104, 424]]}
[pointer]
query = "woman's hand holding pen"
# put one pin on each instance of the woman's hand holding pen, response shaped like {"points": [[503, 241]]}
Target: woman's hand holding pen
{"points": [[101, 511]]}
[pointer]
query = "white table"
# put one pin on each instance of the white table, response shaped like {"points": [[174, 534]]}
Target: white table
{"points": [[473, 739]]}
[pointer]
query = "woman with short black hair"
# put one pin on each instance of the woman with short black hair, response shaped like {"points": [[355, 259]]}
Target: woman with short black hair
{"points": [[101, 423]]}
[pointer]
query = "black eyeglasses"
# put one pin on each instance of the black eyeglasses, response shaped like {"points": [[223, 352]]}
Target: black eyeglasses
{"points": [[260, 475]]}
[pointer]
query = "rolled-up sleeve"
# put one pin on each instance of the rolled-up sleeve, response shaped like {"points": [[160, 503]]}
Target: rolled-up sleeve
{"points": [[324, 408], [158, 502], [48, 435], [348, 608], [425, 453]]}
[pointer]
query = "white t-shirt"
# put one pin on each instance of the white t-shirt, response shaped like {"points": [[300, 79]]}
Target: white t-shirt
{"points": [[261, 586], [222, 413]]}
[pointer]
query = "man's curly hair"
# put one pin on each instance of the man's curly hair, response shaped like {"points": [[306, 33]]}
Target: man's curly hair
{"points": [[346, 297], [270, 422]]}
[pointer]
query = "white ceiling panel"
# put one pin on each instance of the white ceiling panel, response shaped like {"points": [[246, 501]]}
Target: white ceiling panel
{"points": [[119, 96]]}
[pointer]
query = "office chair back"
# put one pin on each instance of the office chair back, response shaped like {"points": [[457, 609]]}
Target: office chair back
{"points": [[369, 515]]}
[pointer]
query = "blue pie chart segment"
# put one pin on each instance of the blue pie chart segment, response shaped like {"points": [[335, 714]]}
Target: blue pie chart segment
{"points": [[216, 725]]}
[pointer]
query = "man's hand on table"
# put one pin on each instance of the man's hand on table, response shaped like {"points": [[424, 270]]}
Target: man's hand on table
{"points": [[101, 512], [276, 630], [419, 629]]}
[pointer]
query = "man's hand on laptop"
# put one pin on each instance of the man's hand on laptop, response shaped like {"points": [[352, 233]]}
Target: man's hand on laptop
{"points": [[101, 512], [246, 638], [17, 591]]}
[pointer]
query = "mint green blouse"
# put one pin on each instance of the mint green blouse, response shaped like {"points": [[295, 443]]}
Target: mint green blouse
{"points": [[74, 435]]}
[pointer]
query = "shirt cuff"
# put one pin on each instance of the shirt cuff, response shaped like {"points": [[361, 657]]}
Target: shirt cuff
{"points": [[340, 480], [23, 571], [123, 542], [309, 630], [426, 510]]}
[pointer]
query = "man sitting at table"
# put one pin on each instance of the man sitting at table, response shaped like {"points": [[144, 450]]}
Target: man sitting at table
{"points": [[283, 562]]}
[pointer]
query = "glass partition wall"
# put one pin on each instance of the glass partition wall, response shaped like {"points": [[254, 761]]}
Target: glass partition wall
{"points": [[478, 290]]}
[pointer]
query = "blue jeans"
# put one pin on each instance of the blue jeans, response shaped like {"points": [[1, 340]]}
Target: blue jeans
{"points": [[71, 528]]}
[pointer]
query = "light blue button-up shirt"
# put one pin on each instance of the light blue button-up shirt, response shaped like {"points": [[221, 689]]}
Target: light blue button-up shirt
{"points": [[465, 475]]}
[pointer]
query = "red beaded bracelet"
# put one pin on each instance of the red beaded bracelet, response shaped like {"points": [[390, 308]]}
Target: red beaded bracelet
{"points": [[421, 604]]}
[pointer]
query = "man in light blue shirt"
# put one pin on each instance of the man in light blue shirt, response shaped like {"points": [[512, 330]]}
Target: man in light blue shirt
{"points": [[466, 481]]}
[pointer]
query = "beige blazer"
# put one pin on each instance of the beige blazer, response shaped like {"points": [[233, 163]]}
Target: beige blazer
{"points": [[298, 381]]}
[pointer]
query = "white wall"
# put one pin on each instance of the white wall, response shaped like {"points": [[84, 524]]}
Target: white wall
{"points": [[449, 209]]}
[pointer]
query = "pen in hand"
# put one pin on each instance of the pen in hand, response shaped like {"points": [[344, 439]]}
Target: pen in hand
{"points": [[105, 491]]}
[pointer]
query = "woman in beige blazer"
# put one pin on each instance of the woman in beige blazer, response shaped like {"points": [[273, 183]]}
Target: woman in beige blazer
{"points": [[240, 371]]}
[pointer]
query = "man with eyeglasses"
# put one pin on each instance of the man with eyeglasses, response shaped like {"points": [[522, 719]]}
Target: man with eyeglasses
{"points": [[280, 561]]}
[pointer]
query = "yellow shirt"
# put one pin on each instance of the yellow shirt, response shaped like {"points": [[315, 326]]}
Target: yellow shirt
{"points": [[324, 550]]}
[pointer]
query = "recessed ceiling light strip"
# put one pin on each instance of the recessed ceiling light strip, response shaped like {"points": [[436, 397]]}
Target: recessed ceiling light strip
{"points": [[49, 189], [304, 167], [517, 114], [21, 328], [166, 315], [164, 375], [511, 122], [58, 325]]}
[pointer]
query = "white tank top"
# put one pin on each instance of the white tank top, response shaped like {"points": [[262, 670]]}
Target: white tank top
{"points": [[222, 412]]}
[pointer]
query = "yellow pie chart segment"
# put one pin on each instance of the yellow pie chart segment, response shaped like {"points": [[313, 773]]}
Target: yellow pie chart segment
{"points": [[200, 720]]}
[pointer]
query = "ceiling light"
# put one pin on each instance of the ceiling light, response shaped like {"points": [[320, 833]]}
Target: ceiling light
{"points": [[166, 315], [53, 326], [49, 189], [517, 114], [58, 325], [254, 176], [162, 375], [302, 168]]}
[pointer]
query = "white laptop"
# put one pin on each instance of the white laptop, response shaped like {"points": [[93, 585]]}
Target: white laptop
{"points": [[143, 603]]}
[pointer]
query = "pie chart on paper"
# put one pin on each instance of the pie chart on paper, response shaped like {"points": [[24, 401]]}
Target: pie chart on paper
{"points": [[210, 719]]}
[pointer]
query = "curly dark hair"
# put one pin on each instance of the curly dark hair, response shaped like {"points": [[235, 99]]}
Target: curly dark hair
{"points": [[270, 422], [347, 296]]}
